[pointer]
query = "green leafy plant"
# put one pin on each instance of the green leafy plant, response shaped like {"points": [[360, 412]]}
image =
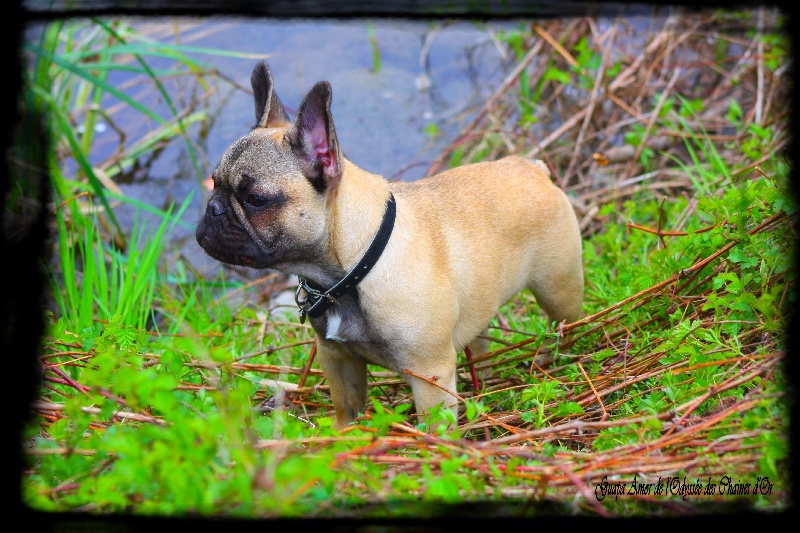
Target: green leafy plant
{"points": [[376, 51]]}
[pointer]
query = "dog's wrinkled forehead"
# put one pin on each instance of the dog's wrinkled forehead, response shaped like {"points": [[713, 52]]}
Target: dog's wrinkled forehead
{"points": [[261, 154]]}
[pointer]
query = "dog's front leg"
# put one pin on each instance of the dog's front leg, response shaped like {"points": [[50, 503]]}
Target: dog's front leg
{"points": [[347, 377], [433, 381]]}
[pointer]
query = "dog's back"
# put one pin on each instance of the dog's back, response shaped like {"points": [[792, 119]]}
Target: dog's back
{"points": [[506, 227]]}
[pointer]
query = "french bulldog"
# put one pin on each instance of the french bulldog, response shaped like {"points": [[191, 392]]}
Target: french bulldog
{"points": [[402, 275]]}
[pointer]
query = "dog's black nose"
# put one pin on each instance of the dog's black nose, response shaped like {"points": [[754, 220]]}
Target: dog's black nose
{"points": [[215, 207]]}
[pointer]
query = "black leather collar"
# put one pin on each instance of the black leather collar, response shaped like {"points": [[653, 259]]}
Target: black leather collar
{"points": [[316, 302]]}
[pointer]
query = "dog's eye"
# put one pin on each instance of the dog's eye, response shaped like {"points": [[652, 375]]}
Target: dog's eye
{"points": [[256, 200]]}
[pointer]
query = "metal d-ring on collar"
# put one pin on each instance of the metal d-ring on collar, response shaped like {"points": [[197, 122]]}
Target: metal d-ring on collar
{"points": [[316, 302]]}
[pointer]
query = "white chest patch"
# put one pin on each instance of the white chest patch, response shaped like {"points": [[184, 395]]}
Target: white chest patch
{"points": [[334, 323]]}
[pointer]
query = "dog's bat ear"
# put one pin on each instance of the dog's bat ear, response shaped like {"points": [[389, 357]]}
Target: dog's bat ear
{"points": [[269, 110], [313, 139]]}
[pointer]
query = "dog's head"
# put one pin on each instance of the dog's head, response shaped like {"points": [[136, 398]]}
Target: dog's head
{"points": [[268, 206]]}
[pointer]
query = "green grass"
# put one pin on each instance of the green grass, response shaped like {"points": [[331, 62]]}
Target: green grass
{"points": [[160, 394]]}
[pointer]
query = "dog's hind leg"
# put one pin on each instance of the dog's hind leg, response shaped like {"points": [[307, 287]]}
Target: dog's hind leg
{"points": [[560, 295], [562, 305], [556, 278], [559, 292]]}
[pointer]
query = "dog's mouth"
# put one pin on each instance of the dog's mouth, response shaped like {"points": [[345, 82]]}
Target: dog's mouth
{"points": [[227, 255], [230, 244], [237, 259]]}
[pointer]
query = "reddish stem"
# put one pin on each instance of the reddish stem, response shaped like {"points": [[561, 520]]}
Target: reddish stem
{"points": [[472, 372]]}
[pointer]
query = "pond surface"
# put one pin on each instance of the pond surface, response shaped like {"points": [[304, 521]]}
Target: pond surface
{"points": [[381, 116]]}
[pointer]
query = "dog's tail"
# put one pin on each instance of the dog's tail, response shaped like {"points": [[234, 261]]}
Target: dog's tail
{"points": [[542, 165]]}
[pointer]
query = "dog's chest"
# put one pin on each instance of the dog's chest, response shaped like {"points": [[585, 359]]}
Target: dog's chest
{"points": [[345, 324], [343, 327]]}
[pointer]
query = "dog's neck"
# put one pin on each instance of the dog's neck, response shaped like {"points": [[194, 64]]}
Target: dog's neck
{"points": [[355, 212]]}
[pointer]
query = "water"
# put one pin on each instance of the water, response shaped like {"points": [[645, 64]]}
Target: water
{"points": [[380, 116]]}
